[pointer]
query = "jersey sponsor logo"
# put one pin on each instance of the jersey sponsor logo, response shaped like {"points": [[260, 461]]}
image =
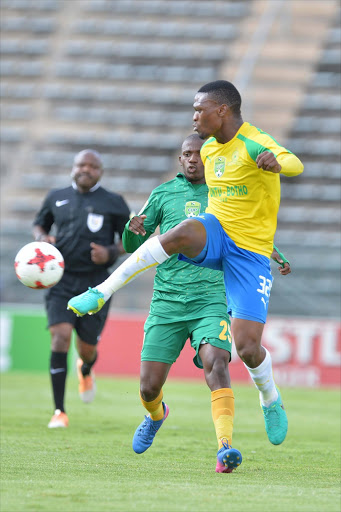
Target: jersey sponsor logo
{"points": [[62, 202], [95, 222], [233, 191], [219, 166], [192, 208]]}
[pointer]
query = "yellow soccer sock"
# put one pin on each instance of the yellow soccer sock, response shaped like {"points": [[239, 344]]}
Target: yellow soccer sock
{"points": [[222, 414], [155, 407]]}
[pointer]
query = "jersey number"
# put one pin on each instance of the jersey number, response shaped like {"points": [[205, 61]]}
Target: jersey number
{"points": [[265, 286], [226, 329]]}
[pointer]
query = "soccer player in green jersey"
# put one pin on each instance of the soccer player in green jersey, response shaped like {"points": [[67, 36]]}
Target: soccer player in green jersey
{"points": [[188, 302], [235, 235]]}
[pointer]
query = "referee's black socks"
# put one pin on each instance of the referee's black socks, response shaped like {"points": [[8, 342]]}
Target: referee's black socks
{"points": [[86, 367], [58, 371]]}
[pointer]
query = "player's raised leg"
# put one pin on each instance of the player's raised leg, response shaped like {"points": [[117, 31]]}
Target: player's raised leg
{"points": [[189, 237]]}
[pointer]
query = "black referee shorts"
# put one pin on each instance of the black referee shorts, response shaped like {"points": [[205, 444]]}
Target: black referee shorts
{"points": [[88, 327]]}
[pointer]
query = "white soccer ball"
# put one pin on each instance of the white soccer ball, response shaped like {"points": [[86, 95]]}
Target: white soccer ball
{"points": [[39, 265]]}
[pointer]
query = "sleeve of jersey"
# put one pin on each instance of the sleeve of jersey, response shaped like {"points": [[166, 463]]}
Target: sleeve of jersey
{"points": [[130, 241], [44, 217], [291, 165]]}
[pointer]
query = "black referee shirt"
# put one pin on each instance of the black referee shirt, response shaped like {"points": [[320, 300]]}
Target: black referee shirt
{"points": [[80, 219]]}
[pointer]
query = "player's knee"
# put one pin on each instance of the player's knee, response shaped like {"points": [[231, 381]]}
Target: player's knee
{"points": [[188, 237], [60, 342], [247, 352], [149, 391]]}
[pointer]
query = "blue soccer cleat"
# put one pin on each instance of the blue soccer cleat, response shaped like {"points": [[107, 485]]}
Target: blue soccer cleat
{"points": [[228, 458], [145, 433], [89, 302], [276, 421]]}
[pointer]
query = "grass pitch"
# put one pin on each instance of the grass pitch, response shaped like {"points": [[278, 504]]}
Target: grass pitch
{"points": [[91, 466]]}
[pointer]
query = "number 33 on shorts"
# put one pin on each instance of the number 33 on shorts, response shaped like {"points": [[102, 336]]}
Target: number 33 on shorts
{"points": [[264, 289]]}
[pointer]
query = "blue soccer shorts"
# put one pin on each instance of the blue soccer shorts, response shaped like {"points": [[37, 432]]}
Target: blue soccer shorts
{"points": [[247, 275]]}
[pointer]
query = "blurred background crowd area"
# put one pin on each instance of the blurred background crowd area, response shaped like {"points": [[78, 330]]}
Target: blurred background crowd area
{"points": [[119, 76]]}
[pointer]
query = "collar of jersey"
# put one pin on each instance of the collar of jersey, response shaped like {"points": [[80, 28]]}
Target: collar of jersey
{"points": [[195, 185], [95, 187]]}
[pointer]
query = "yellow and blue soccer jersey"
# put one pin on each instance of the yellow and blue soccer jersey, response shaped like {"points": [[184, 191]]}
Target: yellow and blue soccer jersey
{"points": [[244, 198]]}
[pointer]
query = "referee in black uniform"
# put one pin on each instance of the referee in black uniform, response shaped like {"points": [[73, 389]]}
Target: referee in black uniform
{"points": [[87, 219]]}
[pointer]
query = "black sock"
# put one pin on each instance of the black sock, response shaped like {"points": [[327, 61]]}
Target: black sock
{"points": [[86, 367], [58, 371]]}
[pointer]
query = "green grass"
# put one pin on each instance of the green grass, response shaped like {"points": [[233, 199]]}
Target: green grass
{"points": [[91, 466]]}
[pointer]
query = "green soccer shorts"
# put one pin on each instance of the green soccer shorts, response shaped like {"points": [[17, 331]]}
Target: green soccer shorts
{"points": [[175, 318]]}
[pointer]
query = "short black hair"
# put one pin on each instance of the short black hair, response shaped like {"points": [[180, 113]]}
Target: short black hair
{"points": [[191, 137], [223, 92]]}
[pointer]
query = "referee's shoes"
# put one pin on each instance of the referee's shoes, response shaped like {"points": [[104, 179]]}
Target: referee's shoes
{"points": [[87, 384]]}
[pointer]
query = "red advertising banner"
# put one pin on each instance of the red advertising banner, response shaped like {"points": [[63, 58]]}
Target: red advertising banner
{"points": [[305, 352]]}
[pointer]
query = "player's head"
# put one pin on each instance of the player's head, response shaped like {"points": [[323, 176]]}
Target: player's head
{"points": [[190, 160], [213, 104], [87, 169]]}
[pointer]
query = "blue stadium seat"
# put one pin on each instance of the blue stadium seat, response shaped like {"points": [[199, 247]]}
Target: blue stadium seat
{"points": [[12, 134], [25, 24], [28, 5], [27, 46], [20, 91], [229, 9], [15, 111]]}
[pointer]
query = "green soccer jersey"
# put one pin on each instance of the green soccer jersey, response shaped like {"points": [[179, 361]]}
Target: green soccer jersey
{"points": [[168, 205]]}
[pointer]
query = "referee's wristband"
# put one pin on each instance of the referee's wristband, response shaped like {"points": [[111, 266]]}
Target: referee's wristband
{"points": [[282, 257]]}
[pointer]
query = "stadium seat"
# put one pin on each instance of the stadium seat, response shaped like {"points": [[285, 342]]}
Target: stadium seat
{"points": [[28, 5]]}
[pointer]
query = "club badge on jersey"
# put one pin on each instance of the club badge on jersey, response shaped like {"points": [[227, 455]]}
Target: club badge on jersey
{"points": [[192, 208], [95, 222]]}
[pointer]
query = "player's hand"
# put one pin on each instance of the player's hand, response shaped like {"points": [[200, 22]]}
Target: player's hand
{"points": [[99, 254], [267, 161], [136, 225], [47, 238], [284, 268]]}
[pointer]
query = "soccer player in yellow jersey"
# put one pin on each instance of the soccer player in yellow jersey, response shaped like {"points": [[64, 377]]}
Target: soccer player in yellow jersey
{"points": [[235, 235]]}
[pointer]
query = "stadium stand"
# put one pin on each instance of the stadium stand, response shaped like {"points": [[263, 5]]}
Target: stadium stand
{"points": [[119, 76]]}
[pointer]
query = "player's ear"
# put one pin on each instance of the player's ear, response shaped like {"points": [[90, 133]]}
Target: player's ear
{"points": [[222, 110]]}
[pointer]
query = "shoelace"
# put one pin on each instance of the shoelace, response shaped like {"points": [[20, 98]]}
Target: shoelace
{"points": [[275, 416], [225, 443], [94, 290], [147, 427]]}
